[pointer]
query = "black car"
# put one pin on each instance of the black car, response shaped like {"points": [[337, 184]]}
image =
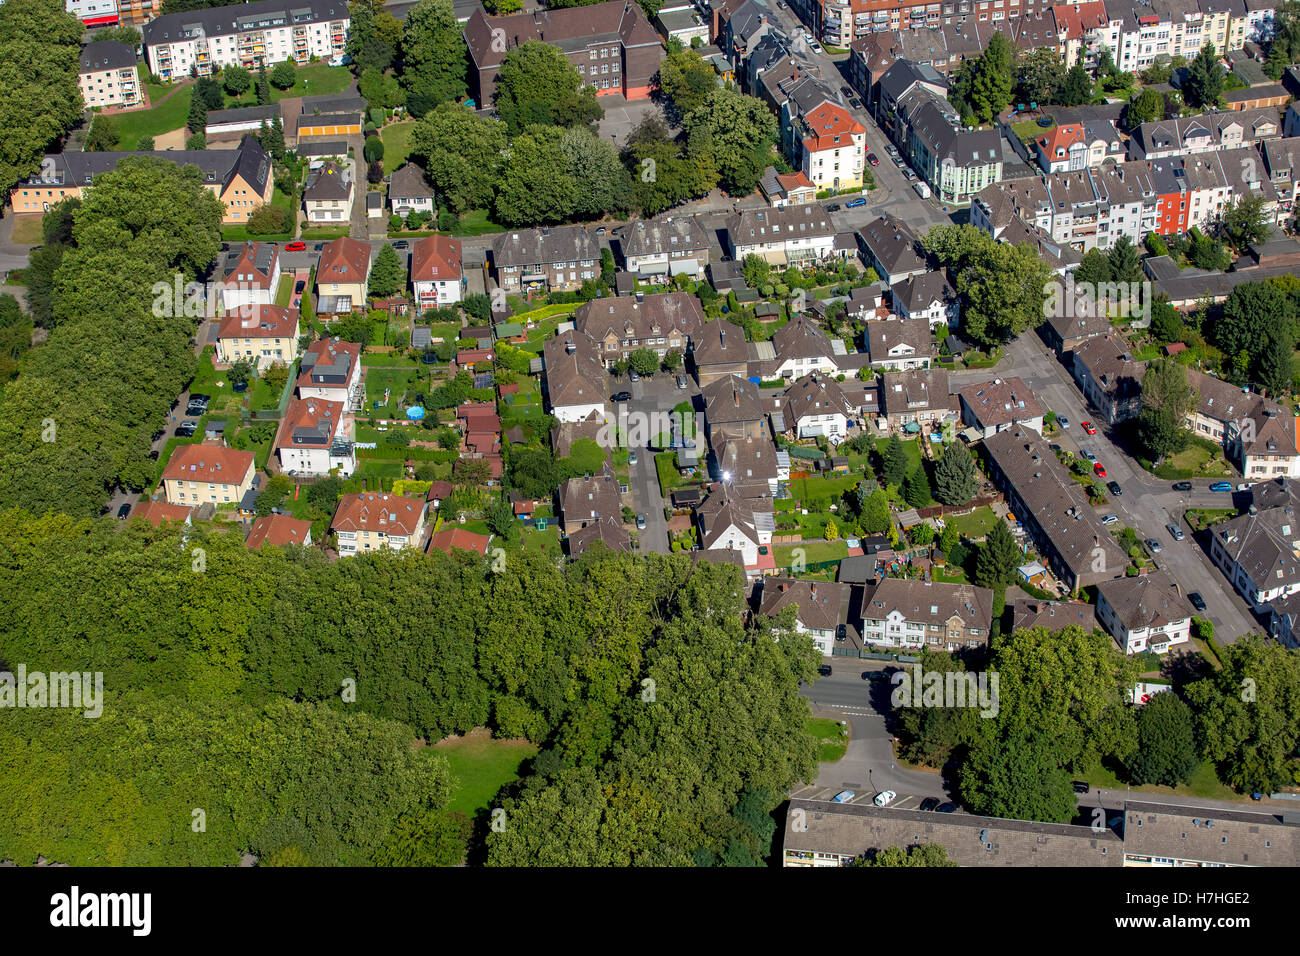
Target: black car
{"points": [[833, 207], [1080, 786], [299, 286], [824, 670], [855, 102], [930, 804], [621, 397], [1114, 488], [400, 244], [187, 429], [948, 808], [123, 511], [846, 91], [1182, 486], [1198, 602], [318, 247]]}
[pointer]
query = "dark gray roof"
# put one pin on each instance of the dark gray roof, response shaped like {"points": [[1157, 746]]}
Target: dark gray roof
{"points": [[106, 55], [546, 245], [409, 182], [904, 74], [331, 147], [269, 113], [333, 103], [1148, 600], [658, 236], [894, 244], [236, 18], [326, 183], [218, 166]]}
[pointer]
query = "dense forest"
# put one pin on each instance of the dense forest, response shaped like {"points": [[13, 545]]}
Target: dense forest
{"points": [[680, 728]]}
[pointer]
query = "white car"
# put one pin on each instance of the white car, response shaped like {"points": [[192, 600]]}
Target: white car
{"points": [[815, 47], [1110, 519], [885, 798]]}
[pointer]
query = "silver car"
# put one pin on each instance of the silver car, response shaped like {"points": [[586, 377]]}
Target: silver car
{"points": [[1110, 519], [1175, 532]]}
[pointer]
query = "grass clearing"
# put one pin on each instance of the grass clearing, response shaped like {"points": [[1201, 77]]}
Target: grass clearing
{"points": [[483, 766], [396, 138], [27, 231], [168, 115], [976, 524], [832, 739], [285, 291], [814, 552]]}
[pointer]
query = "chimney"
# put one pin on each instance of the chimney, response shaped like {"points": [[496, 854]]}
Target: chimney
{"points": [[722, 337]]}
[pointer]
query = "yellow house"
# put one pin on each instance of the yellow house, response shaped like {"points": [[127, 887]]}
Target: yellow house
{"points": [[197, 474], [342, 276], [370, 522], [260, 334]]}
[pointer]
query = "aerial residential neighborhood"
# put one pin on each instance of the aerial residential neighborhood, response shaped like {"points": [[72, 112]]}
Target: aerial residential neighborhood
{"points": [[769, 433]]}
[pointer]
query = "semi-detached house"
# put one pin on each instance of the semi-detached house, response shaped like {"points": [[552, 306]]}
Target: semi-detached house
{"points": [[666, 247], [575, 376], [821, 607], [199, 474], [367, 521], [436, 271], [897, 612], [331, 371], [790, 235], [1145, 613], [262, 335]]}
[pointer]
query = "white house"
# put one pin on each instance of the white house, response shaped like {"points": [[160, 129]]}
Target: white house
{"points": [[815, 405], [729, 522], [1145, 613], [251, 275], [928, 296], [436, 272], [331, 372], [785, 236], [316, 438], [822, 608], [575, 377]]}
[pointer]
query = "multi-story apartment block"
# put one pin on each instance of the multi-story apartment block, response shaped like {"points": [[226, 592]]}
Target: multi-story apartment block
{"points": [[240, 178], [94, 13], [206, 41], [367, 521], [1257, 434], [107, 75], [897, 612], [611, 45], [1075, 146], [1203, 133], [622, 324], [787, 236], [828, 145], [1257, 551], [436, 271], [137, 13], [559, 258], [199, 474]]}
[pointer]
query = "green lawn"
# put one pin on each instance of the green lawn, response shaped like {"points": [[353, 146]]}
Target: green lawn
{"points": [[814, 552], [976, 524], [473, 223], [27, 231], [1204, 783], [1029, 130], [666, 467], [397, 143], [1200, 459], [169, 115], [828, 489], [314, 79], [832, 739], [284, 294], [325, 232], [482, 766]]}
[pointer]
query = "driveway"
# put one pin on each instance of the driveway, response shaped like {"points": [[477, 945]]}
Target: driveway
{"points": [[652, 398]]}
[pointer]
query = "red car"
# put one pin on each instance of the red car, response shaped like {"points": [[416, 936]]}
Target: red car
{"points": [[296, 247], [1099, 470], [1090, 428]]}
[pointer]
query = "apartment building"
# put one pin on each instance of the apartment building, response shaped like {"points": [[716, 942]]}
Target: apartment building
{"points": [[666, 247], [201, 474], [316, 438], [331, 372], [620, 325], [611, 45], [545, 259], [262, 335], [1053, 509], [897, 612], [107, 75], [1074, 146], [821, 137], [821, 608], [206, 41], [240, 178], [1257, 551], [1203, 133], [250, 275], [1145, 613], [1109, 378], [788, 236], [436, 272], [368, 521], [1258, 435]]}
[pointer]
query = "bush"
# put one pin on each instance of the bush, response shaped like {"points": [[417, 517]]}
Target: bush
{"points": [[268, 220]]}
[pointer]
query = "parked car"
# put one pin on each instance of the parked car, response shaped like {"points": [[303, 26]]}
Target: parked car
{"points": [[855, 102], [1114, 488], [1080, 786], [198, 404], [640, 522], [600, 231], [633, 376], [297, 246], [824, 670], [1175, 532], [631, 458], [1110, 519], [1154, 546], [808, 38], [833, 207], [1221, 486], [873, 159], [621, 397], [299, 286], [1089, 427], [815, 47], [1062, 421], [844, 796], [1099, 469], [681, 381], [855, 203], [401, 244], [123, 511], [930, 804], [948, 808], [1182, 486], [1088, 455], [318, 247], [1198, 602], [846, 91], [186, 429], [885, 798]]}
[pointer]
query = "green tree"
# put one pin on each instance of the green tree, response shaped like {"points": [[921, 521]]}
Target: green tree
{"points": [[686, 79], [1125, 264], [1017, 778], [388, 274], [283, 75], [982, 87], [997, 558], [921, 854], [1148, 107], [738, 131], [1075, 88], [1245, 222], [1094, 269], [1166, 752], [644, 361], [434, 57], [894, 461], [1204, 82], [1037, 72], [263, 86], [876, 518], [916, 487], [103, 135], [463, 155], [602, 184], [535, 185], [236, 80], [954, 476], [538, 85], [373, 36]]}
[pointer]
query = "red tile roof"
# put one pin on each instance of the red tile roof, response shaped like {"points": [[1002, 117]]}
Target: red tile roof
{"points": [[439, 490], [450, 538], [343, 260], [435, 258], [831, 127], [209, 463], [259, 322], [278, 530], [370, 511], [796, 180], [309, 413], [244, 272], [1063, 137], [156, 512]]}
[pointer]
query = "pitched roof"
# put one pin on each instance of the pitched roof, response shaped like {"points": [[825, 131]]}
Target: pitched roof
{"points": [[208, 463], [328, 363], [251, 264], [458, 538], [103, 55], [570, 29], [589, 497], [278, 530], [659, 236], [1148, 600], [893, 243], [917, 293], [259, 322], [370, 511], [343, 260], [330, 182], [435, 259], [718, 342], [1001, 401], [608, 530], [934, 602], [1111, 366], [525, 247], [409, 182], [814, 395], [777, 225], [217, 167], [747, 459], [1053, 615], [574, 374], [639, 318], [801, 337], [822, 606], [236, 18], [732, 399], [887, 339], [915, 389], [156, 512], [310, 423]]}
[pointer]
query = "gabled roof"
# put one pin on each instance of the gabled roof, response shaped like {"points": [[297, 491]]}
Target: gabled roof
{"points": [[328, 363], [525, 247], [590, 497], [607, 530], [435, 259], [570, 29], [310, 423], [932, 602], [218, 167], [821, 605], [208, 463], [918, 293], [370, 511], [893, 243], [409, 182], [344, 260], [814, 395], [260, 322], [732, 399], [460, 539], [237, 18], [1148, 600], [574, 374], [651, 316], [1001, 401], [278, 530], [663, 236], [330, 182], [719, 342], [156, 512], [251, 264], [103, 55], [893, 338], [801, 337]]}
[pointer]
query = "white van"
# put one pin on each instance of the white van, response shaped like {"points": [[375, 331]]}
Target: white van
{"points": [[922, 189]]}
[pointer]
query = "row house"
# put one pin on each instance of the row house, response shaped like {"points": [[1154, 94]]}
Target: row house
{"points": [[992, 407], [1075, 146], [821, 608], [1109, 378], [1053, 509], [816, 406], [1282, 163], [202, 474], [897, 612], [575, 376], [546, 259], [751, 463], [915, 398], [889, 246], [620, 325], [370, 521], [666, 247], [107, 75], [316, 438], [928, 298], [792, 235], [252, 35], [612, 46], [1258, 551], [1257, 434], [1147, 612], [729, 522], [241, 178], [801, 346], [436, 274], [1203, 133], [734, 408], [898, 344], [718, 350]]}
